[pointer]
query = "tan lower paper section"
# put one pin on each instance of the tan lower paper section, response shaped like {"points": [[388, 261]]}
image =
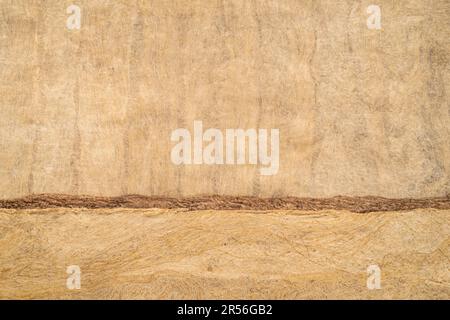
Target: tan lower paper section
{"points": [[174, 253]]}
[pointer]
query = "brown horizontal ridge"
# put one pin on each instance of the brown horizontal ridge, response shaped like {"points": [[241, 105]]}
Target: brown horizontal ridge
{"points": [[215, 202]]}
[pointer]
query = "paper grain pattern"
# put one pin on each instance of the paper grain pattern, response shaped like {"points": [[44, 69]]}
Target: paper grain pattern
{"points": [[90, 111], [174, 254], [86, 176]]}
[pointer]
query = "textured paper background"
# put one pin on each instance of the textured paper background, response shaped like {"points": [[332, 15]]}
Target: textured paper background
{"points": [[360, 112], [174, 254], [90, 112]]}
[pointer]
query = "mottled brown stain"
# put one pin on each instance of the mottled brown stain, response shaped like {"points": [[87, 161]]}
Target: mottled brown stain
{"points": [[354, 204]]}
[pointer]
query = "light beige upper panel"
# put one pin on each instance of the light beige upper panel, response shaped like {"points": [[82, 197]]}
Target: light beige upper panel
{"points": [[91, 110]]}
